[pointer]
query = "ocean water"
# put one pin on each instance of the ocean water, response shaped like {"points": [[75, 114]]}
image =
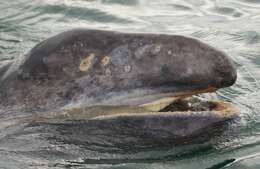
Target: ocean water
{"points": [[230, 25]]}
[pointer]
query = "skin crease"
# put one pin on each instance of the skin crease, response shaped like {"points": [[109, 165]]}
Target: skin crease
{"points": [[82, 72]]}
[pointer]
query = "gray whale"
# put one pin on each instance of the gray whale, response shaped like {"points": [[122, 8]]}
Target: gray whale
{"points": [[118, 83]]}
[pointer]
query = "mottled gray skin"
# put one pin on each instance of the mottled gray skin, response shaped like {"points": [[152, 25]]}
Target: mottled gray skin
{"points": [[49, 76], [141, 68]]}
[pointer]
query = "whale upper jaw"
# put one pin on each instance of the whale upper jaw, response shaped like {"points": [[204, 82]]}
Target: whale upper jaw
{"points": [[51, 74]]}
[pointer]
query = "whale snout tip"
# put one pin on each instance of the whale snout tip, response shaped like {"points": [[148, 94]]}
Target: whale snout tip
{"points": [[226, 72], [229, 78]]}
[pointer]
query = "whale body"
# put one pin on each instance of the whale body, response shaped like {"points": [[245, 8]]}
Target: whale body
{"points": [[93, 81]]}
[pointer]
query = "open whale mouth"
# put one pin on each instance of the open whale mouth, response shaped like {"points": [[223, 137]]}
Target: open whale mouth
{"points": [[184, 104], [187, 102], [195, 104]]}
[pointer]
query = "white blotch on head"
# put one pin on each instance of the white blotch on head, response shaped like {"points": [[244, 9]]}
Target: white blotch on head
{"points": [[108, 72], [127, 68], [157, 48], [189, 71], [141, 51]]}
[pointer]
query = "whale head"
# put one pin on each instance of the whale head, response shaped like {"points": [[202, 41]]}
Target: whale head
{"points": [[122, 84], [103, 67]]}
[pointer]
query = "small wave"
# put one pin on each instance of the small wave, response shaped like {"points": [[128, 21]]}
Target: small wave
{"points": [[81, 13], [121, 2]]}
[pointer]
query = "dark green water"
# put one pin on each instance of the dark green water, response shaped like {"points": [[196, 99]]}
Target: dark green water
{"points": [[230, 25]]}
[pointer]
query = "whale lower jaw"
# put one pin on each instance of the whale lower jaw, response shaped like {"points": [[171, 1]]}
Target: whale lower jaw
{"points": [[132, 127], [173, 120]]}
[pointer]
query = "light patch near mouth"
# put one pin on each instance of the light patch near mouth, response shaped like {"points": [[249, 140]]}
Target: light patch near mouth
{"points": [[164, 102], [220, 109], [185, 103], [159, 104]]}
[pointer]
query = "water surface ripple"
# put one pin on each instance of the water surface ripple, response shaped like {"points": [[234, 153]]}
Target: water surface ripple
{"points": [[230, 25]]}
